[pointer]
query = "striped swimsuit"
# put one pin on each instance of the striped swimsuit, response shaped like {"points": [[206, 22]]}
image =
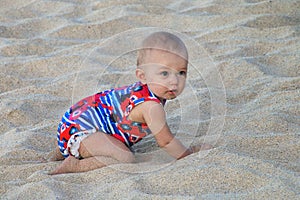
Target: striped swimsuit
{"points": [[107, 112]]}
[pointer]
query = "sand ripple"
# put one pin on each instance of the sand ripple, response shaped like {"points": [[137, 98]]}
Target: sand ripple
{"points": [[51, 51]]}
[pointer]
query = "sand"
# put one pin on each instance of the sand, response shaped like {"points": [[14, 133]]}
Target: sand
{"points": [[242, 96]]}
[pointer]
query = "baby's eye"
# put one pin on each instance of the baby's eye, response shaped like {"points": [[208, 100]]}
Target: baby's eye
{"points": [[182, 73], [164, 73]]}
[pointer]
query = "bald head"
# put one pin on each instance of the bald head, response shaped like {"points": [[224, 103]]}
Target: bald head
{"points": [[161, 41]]}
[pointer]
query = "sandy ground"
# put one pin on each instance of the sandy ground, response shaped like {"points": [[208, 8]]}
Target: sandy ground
{"points": [[242, 96]]}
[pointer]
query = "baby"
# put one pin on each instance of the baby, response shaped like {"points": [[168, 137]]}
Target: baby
{"points": [[99, 130]]}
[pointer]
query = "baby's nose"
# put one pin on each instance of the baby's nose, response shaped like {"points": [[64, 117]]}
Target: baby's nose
{"points": [[173, 79]]}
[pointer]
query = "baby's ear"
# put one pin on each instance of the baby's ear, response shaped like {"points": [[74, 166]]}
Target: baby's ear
{"points": [[140, 74]]}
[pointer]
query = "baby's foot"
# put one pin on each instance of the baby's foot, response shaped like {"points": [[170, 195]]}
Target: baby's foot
{"points": [[67, 166]]}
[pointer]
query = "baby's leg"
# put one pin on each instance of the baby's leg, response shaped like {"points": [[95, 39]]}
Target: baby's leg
{"points": [[72, 164], [98, 150], [101, 144]]}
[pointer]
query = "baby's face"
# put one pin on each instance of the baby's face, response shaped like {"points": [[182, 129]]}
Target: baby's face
{"points": [[165, 73]]}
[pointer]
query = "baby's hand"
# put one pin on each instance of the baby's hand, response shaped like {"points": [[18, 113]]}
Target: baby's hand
{"points": [[200, 147]]}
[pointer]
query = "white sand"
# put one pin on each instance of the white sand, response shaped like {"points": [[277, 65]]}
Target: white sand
{"points": [[242, 96]]}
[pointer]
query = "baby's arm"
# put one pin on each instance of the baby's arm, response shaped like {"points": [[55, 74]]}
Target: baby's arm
{"points": [[170, 144], [154, 115]]}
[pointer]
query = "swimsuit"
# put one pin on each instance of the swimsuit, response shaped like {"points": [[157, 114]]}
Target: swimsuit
{"points": [[107, 112]]}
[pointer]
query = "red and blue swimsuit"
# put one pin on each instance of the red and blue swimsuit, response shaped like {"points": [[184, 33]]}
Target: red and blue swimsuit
{"points": [[107, 112]]}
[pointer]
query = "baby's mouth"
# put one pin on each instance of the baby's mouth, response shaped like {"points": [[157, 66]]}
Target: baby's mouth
{"points": [[172, 92]]}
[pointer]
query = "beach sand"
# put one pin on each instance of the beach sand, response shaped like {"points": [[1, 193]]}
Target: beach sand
{"points": [[242, 96]]}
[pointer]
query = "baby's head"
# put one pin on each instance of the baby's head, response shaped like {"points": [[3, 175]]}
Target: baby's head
{"points": [[163, 41], [162, 64]]}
